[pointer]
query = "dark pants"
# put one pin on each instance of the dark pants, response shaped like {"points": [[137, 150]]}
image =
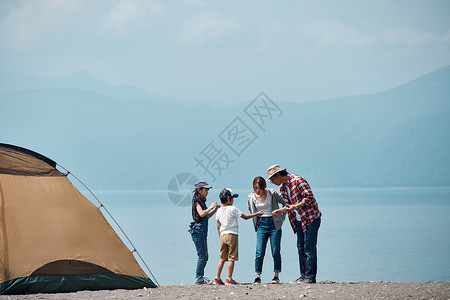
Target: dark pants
{"points": [[307, 248], [200, 239]]}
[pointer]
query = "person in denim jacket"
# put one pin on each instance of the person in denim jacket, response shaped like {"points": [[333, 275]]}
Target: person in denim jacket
{"points": [[199, 227]]}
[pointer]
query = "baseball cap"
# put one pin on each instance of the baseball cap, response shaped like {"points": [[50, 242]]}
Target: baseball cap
{"points": [[226, 193], [202, 184]]}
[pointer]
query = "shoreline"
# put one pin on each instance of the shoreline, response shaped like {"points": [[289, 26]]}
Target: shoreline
{"points": [[245, 189], [321, 290]]}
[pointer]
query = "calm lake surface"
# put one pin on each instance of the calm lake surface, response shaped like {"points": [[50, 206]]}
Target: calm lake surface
{"points": [[397, 234]]}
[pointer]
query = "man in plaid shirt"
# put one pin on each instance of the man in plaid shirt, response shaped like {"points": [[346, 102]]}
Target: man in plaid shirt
{"points": [[304, 216]]}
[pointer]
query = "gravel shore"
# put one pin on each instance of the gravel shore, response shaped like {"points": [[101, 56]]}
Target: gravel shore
{"points": [[320, 290]]}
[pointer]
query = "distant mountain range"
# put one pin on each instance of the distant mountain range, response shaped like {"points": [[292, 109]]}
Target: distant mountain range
{"points": [[122, 137]]}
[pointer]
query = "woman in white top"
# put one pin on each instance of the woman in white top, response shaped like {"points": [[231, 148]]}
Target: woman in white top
{"points": [[267, 226]]}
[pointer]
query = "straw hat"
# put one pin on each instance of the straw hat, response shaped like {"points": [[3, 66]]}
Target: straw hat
{"points": [[272, 170]]}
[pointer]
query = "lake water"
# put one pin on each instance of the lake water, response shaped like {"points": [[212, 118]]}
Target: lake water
{"points": [[365, 235]]}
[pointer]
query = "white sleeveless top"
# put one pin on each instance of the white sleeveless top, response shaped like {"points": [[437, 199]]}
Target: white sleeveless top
{"points": [[265, 206]]}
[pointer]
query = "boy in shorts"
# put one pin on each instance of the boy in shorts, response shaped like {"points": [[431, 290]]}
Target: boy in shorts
{"points": [[227, 226]]}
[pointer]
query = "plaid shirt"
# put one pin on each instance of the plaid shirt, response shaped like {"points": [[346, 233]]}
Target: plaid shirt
{"points": [[300, 192]]}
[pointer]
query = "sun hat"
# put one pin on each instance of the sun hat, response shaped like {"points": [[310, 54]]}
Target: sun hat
{"points": [[227, 193], [202, 184], [272, 170]]}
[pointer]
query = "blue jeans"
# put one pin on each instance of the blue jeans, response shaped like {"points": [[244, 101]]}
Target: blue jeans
{"points": [[307, 248], [266, 230], [200, 240]]}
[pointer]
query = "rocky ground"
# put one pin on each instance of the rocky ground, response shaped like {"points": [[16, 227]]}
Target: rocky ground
{"points": [[320, 290]]}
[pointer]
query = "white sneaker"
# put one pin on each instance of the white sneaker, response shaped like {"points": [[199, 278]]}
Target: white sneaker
{"points": [[298, 280], [202, 280]]}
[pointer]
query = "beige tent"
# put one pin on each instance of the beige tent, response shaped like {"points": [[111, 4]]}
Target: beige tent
{"points": [[52, 238]]}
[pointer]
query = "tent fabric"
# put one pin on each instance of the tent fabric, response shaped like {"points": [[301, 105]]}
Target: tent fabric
{"points": [[48, 228], [20, 161], [71, 283], [70, 267]]}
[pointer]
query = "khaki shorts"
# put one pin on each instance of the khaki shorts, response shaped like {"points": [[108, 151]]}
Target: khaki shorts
{"points": [[229, 247]]}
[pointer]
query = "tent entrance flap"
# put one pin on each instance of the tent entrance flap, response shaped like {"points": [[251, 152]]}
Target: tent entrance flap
{"points": [[70, 267]]}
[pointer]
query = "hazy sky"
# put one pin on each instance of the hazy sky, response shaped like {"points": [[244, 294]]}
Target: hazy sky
{"points": [[229, 50]]}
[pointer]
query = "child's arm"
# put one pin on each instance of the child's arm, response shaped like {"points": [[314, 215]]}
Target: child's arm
{"points": [[211, 213], [218, 227], [246, 217], [202, 212]]}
